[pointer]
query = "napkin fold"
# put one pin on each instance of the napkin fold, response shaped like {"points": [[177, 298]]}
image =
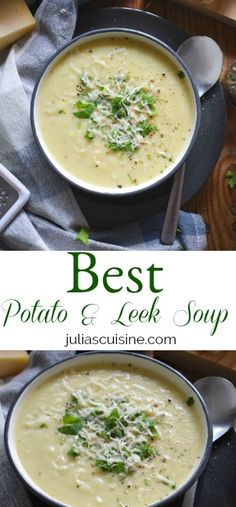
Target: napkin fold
{"points": [[12, 491], [52, 218]]}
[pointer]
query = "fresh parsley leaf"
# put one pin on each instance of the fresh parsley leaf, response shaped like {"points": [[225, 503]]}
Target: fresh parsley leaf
{"points": [[231, 176], [144, 450], [104, 435], [70, 429], [152, 425], [96, 412], [111, 420], [89, 135], [83, 236], [135, 415], [43, 425], [119, 139], [117, 433], [145, 128], [61, 111], [118, 467], [146, 100], [85, 79], [118, 108], [74, 400], [190, 401], [104, 465], [85, 109], [73, 453], [70, 418]]}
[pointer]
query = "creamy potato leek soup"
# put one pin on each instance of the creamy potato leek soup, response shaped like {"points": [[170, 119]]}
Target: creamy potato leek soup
{"points": [[111, 436], [115, 112]]}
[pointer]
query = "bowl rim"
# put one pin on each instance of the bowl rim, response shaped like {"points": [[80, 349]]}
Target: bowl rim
{"points": [[179, 491], [109, 191]]}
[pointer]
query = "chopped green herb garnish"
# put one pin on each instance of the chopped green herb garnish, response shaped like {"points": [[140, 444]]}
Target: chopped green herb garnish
{"points": [[117, 438], [70, 429], [146, 128], [70, 418], [97, 412], [190, 401], [85, 79], [83, 236], [118, 108], [111, 420], [89, 135], [74, 400], [181, 74], [119, 112], [146, 100], [43, 425], [61, 111], [144, 450], [73, 453], [119, 139], [118, 467], [231, 176], [85, 109]]}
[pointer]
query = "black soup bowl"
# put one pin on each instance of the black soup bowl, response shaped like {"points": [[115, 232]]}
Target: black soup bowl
{"points": [[85, 363], [134, 188]]}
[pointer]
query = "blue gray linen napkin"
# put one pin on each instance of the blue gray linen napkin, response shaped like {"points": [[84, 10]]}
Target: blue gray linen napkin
{"points": [[12, 492], [52, 218]]}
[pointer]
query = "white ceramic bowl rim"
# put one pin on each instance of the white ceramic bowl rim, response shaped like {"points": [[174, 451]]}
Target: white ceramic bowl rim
{"points": [[111, 357], [108, 191]]}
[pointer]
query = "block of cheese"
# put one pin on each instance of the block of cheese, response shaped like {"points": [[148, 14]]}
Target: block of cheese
{"points": [[12, 362], [16, 20]]}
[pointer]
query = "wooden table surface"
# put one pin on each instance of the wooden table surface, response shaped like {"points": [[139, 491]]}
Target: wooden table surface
{"points": [[216, 202]]}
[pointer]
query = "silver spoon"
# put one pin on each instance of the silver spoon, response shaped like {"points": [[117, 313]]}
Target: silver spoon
{"points": [[220, 398], [204, 59]]}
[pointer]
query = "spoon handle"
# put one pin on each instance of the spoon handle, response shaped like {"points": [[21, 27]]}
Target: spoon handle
{"points": [[169, 228], [189, 496]]}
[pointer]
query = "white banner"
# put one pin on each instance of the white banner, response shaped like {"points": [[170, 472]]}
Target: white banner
{"points": [[117, 300]]}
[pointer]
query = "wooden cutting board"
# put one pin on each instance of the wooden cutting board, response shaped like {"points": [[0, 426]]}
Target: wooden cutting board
{"points": [[196, 364], [224, 358], [225, 10]]}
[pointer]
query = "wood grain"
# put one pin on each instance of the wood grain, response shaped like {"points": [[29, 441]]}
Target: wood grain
{"points": [[201, 364], [216, 202], [225, 358], [224, 10]]}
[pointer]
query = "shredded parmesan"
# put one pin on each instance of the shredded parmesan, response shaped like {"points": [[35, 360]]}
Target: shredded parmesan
{"points": [[114, 434]]}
